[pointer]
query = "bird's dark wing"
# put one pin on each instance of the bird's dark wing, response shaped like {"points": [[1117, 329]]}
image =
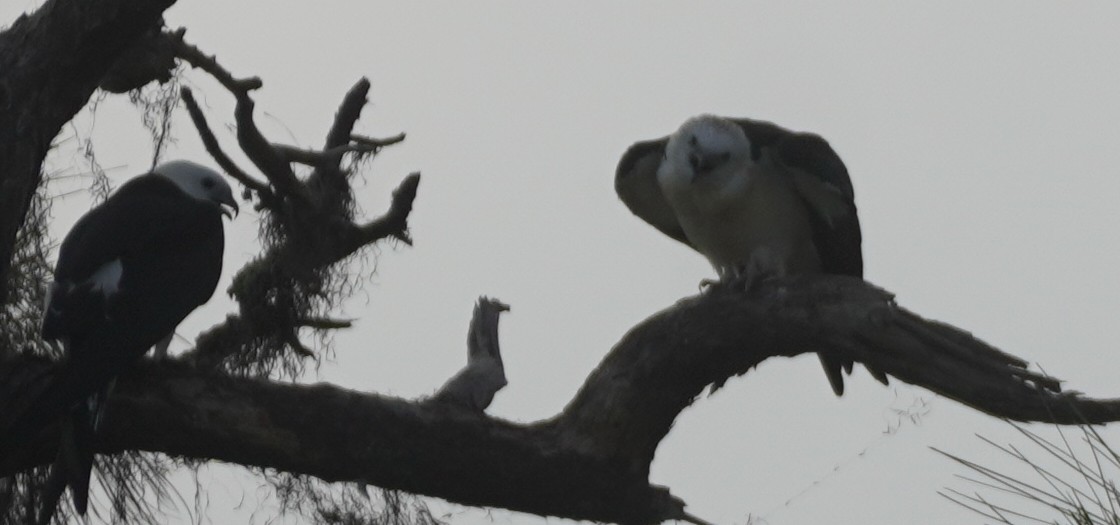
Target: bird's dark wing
{"points": [[821, 179], [144, 211], [145, 219], [635, 181], [170, 247], [761, 134]]}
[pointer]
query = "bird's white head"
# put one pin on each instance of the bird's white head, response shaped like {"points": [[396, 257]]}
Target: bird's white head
{"points": [[199, 182], [706, 145]]}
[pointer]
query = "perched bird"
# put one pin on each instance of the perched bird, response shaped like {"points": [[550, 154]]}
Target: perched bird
{"points": [[474, 386], [128, 272], [756, 199]]}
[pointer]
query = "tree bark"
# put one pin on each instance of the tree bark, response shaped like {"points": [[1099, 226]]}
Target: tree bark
{"points": [[592, 460], [50, 63]]}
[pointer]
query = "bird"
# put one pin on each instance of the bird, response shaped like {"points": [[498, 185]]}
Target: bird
{"points": [[757, 200], [127, 274], [474, 386]]}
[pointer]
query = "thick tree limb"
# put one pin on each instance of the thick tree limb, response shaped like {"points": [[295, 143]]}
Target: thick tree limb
{"points": [[592, 460], [151, 58], [50, 63]]}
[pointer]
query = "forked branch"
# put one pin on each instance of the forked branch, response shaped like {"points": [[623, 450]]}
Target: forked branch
{"points": [[310, 224]]}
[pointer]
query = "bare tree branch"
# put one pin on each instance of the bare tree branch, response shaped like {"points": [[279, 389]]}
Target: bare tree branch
{"points": [[348, 113], [209, 63], [323, 323], [309, 226], [227, 338], [261, 152], [330, 178], [331, 158], [592, 460], [215, 149], [305, 156], [378, 143], [252, 142], [395, 222], [473, 387]]}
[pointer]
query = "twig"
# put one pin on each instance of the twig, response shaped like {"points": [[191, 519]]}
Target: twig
{"points": [[215, 149], [208, 63], [249, 137], [318, 159], [395, 221], [348, 113], [296, 345], [377, 143], [329, 174], [323, 323], [261, 152]]}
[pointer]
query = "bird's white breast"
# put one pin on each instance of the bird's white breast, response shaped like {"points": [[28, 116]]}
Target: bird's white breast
{"points": [[734, 216]]}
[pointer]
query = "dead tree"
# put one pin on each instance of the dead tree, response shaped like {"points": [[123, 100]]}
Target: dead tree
{"points": [[591, 461]]}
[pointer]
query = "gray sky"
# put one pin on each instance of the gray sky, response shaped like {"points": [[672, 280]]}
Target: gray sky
{"points": [[981, 139]]}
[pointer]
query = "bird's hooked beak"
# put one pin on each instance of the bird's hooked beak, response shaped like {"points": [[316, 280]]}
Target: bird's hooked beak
{"points": [[704, 162], [229, 207]]}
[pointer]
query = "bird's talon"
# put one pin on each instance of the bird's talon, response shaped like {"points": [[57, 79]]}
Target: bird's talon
{"points": [[707, 285]]}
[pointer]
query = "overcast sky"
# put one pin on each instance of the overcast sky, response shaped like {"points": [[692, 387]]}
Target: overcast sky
{"points": [[982, 140]]}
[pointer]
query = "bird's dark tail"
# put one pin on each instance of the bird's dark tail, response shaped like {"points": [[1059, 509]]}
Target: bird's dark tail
{"points": [[78, 444], [56, 484], [834, 368], [74, 463], [46, 400]]}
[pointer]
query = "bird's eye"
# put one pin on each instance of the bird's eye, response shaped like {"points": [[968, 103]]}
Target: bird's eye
{"points": [[208, 183], [692, 140]]}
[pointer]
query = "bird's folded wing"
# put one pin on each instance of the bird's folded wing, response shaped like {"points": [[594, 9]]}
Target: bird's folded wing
{"points": [[635, 181], [144, 216], [144, 213], [822, 181]]}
